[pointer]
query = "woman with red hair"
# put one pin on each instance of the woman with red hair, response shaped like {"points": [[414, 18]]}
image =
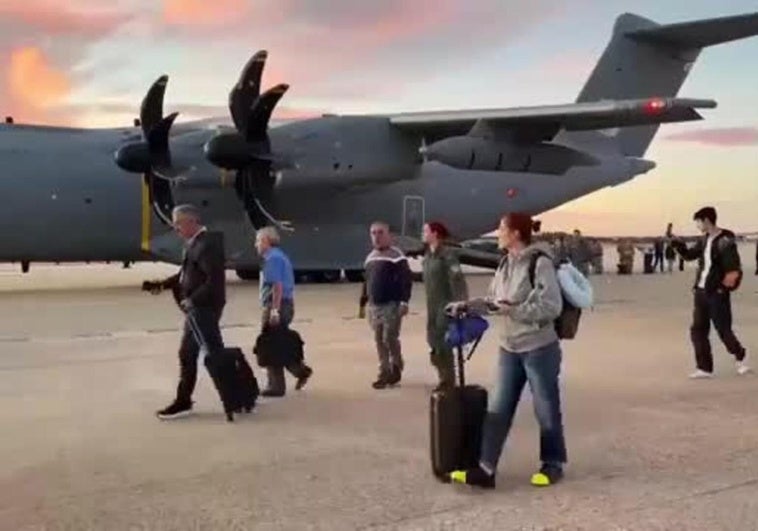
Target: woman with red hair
{"points": [[530, 352], [444, 283]]}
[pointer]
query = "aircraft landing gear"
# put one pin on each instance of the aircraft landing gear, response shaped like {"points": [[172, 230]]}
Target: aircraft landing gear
{"points": [[318, 276], [354, 275], [305, 276], [248, 274], [329, 276]]}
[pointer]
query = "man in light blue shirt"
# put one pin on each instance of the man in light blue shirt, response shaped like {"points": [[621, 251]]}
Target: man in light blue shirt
{"points": [[277, 289]]}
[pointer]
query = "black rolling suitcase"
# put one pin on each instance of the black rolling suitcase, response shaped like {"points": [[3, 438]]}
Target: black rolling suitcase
{"points": [[248, 390], [231, 374], [456, 419]]}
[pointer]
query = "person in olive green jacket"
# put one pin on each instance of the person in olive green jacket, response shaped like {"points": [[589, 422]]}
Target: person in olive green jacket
{"points": [[444, 283]]}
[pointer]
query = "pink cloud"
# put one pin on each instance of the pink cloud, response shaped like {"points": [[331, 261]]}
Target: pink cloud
{"points": [[349, 50], [40, 40], [205, 13], [728, 136], [54, 18]]}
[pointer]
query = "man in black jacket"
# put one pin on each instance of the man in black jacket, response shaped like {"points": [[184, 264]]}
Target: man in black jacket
{"points": [[200, 288], [719, 273], [386, 291]]}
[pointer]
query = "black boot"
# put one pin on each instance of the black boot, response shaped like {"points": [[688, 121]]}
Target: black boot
{"points": [[305, 373], [276, 384], [396, 374], [381, 382]]}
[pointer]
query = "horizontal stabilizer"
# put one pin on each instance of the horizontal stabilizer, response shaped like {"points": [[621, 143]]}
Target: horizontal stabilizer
{"points": [[700, 33]]}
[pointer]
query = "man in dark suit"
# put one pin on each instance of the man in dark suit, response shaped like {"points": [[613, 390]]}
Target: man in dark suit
{"points": [[199, 288]]}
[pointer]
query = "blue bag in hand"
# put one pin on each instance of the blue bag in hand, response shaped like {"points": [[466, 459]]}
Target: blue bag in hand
{"points": [[465, 329]]}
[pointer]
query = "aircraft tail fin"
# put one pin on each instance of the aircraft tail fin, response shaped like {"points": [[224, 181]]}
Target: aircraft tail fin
{"points": [[644, 59]]}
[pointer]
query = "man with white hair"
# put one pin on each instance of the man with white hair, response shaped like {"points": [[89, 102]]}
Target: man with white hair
{"points": [[200, 288], [277, 290]]}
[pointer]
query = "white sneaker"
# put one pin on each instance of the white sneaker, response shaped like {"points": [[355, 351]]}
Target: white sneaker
{"points": [[700, 374], [742, 367]]}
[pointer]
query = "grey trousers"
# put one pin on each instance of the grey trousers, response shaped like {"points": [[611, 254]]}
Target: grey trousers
{"points": [[385, 321], [276, 381]]}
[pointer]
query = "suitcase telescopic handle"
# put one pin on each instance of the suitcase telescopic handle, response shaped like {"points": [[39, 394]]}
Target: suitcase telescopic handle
{"points": [[459, 352], [192, 321]]}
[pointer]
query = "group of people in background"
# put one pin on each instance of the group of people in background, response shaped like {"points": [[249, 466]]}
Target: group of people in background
{"points": [[585, 253]]}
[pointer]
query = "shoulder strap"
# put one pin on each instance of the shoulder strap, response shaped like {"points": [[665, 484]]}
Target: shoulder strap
{"points": [[533, 265]]}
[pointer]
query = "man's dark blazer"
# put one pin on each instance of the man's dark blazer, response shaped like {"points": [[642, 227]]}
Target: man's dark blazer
{"points": [[202, 277]]}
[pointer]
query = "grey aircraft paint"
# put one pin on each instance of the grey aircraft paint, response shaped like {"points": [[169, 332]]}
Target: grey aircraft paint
{"points": [[324, 180]]}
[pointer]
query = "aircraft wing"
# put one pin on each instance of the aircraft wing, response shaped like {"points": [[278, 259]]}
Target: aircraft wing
{"points": [[542, 123]]}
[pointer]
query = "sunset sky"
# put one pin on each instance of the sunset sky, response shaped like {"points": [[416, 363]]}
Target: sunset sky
{"points": [[89, 62]]}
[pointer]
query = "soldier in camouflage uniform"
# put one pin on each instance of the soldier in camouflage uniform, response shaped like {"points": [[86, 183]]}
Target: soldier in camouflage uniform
{"points": [[597, 256], [580, 254], [626, 257], [560, 249], [444, 283]]}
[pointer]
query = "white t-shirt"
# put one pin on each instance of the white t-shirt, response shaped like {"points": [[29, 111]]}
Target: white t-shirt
{"points": [[707, 260]]}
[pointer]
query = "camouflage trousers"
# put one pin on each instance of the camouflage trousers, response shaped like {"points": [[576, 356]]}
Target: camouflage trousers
{"points": [[441, 355], [386, 321]]}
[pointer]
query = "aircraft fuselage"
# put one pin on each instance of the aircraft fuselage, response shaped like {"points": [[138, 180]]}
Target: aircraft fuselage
{"points": [[67, 201]]}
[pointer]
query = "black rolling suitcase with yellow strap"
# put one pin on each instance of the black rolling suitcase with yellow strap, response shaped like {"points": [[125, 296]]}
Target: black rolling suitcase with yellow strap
{"points": [[457, 414]]}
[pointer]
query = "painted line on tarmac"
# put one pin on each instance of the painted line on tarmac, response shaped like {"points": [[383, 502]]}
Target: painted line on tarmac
{"points": [[133, 334], [14, 339]]}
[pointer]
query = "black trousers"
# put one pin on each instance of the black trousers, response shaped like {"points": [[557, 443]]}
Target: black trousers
{"points": [[658, 261], [208, 322], [276, 381], [715, 307]]}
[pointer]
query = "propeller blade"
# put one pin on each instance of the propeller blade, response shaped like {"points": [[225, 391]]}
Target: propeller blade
{"points": [[247, 89], [171, 173], [151, 110], [260, 113], [277, 161], [157, 136], [284, 226]]}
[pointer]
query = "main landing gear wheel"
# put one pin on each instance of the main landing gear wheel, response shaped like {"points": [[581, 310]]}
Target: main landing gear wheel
{"points": [[354, 275], [248, 274], [319, 276]]}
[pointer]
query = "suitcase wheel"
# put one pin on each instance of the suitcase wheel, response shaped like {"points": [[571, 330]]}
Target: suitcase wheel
{"points": [[443, 478]]}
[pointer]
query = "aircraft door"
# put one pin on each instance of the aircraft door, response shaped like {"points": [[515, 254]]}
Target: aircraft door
{"points": [[413, 216]]}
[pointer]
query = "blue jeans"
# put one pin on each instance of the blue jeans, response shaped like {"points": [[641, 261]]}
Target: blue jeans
{"points": [[541, 368]]}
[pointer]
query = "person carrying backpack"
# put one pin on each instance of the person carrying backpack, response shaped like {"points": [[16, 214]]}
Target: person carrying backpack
{"points": [[530, 351], [719, 273]]}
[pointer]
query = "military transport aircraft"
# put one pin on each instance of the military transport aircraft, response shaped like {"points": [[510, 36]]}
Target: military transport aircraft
{"points": [[106, 194]]}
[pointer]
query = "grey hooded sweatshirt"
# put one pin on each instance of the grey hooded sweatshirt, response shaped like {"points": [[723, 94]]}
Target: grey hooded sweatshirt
{"points": [[529, 317]]}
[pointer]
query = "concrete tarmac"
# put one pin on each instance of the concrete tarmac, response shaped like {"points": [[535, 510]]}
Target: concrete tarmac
{"points": [[87, 359]]}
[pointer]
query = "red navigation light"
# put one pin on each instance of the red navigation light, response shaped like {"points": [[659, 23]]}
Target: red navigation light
{"points": [[511, 193], [655, 106]]}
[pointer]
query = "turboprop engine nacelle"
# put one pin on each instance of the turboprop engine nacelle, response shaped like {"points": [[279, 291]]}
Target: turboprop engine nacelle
{"points": [[477, 153]]}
